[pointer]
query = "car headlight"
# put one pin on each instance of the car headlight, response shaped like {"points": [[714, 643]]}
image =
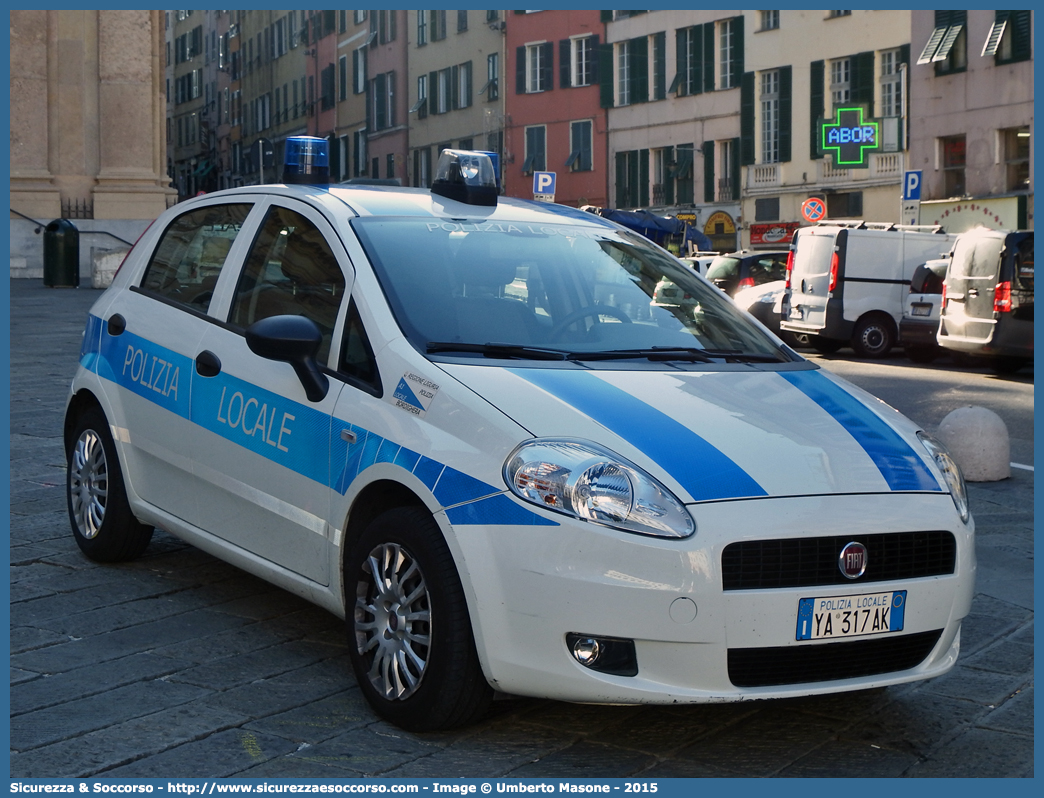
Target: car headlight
{"points": [[951, 473], [588, 482]]}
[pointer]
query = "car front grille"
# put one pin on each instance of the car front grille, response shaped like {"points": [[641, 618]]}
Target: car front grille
{"points": [[765, 667], [807, 562]]}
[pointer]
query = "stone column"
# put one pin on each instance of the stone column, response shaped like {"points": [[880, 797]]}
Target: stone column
{"points": [[32, 190], [131, 120]]}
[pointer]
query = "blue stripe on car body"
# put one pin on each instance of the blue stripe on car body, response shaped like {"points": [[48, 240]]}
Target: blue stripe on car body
{"points": [[704, 471], [899, 464]]}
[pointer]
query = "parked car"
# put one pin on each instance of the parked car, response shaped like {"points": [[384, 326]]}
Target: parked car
{"points": [[699, 261], [920, 323], [988, 298], [503, 464], [848, 281], [746, 268], [764, 303]]}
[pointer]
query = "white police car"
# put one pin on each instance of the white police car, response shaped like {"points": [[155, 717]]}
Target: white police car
{"points": [[460, 422]]}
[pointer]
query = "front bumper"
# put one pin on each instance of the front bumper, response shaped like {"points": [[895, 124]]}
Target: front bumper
{"points": [[530, 586]]}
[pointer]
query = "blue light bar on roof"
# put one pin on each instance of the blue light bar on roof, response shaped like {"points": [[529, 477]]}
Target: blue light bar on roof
{"points": [[307, 161], [466, 176]]}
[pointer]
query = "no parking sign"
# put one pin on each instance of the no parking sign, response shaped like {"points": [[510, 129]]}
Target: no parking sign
{"points": [[813, 209]]}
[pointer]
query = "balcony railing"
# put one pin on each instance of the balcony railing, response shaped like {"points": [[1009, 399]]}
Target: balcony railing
{"points": [[725, 192], [763, 175]]}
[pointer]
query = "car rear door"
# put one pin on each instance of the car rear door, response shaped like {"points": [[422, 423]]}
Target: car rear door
{"points": [[971, 281], [265, 471], [149, 339], [814, 250]]}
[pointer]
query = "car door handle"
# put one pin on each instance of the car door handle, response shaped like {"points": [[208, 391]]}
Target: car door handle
{"points": [[207, 364], [117, 324]]}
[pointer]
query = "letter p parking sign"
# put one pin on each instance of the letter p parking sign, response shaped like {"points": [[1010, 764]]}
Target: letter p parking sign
{"points": [[911, 186], [544, 186]]}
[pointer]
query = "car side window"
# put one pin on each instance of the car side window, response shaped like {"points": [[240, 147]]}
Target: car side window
{"points": [[357, 361], [1024, 264], [185, 265], [290, 270]]}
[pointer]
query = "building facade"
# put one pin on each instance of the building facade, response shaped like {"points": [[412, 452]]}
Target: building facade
{"points": [[672, 87], [972, 86], [555, 121], [454, 92], [856, 60]]}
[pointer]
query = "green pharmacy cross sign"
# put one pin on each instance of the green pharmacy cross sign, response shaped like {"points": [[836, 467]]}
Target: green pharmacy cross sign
{"points": [[850, 139]]}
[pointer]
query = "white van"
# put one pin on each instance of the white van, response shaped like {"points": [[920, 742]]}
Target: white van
{"points": [[847, 281]]}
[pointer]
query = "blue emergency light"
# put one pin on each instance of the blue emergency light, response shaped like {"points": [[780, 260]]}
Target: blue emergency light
{"points": [[466, 176], [307, 161]]}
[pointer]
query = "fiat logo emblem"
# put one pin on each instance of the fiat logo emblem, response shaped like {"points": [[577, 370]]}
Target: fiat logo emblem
{"points": [[852, 560]]}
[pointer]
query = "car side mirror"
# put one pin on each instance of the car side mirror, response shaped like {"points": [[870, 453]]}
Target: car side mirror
{"points": [[294, 340]]}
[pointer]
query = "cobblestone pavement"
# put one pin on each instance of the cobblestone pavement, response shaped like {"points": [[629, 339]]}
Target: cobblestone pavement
{"points": [[178, 665]]}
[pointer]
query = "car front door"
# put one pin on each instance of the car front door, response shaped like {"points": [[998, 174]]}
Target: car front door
{"points": [[264, 473]]}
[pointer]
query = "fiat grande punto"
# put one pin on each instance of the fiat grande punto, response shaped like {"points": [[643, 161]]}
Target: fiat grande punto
{"points": [[462, 423]]}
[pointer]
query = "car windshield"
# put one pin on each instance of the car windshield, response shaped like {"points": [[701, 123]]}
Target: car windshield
{"points": [[500, 289]]}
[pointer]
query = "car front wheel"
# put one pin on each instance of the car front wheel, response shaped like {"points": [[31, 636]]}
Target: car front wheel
{"points": [[102, 522], [409, 632]]}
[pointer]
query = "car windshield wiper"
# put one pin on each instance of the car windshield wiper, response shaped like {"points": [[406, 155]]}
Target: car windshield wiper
{"points": [[498, 350], [665, 353], [654, 353]]}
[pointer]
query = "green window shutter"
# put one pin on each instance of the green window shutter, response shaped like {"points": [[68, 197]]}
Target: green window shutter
{"points": [[696, 59], [668, 180], [747, 118], [904, 54], [605, 74], [606, 16], [681, 63], [708, 56], [621, 180], [1021, 28], [520, 70], [659, 66], [785, 94], [817, 97], [547, 66], [643, 178], [564, 57], [433, 92], [708, 171], [737, 47], [640, 70], [863, 81], [736, 169]]}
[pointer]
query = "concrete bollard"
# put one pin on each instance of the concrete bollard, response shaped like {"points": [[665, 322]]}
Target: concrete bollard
{"points": [[978, 440]]}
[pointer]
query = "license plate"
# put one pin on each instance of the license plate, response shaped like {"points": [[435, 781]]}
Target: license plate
{"points": [[922, 309], [797, 313], [835, 617]]}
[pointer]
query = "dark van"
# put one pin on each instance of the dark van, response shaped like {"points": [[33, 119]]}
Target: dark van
{"points": [[988, 298]]}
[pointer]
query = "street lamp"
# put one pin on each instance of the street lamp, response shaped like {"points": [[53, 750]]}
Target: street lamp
{"points": [[264, 147]]}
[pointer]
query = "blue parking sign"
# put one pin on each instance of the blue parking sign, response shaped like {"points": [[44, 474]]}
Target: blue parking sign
{"points": [[912, 185], [543, 182]]}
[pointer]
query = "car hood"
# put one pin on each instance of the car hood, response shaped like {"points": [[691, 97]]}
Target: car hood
{"points": [[720, 435]]}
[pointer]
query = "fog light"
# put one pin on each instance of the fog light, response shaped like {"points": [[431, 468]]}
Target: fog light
{"points": [[586, 650], [611, 655]]}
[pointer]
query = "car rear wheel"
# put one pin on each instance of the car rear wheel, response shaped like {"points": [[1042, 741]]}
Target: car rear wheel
{"points": [[825, 346], [922, 354], [409, 632], [102, 522], [874, 336], [1007, 365]]}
